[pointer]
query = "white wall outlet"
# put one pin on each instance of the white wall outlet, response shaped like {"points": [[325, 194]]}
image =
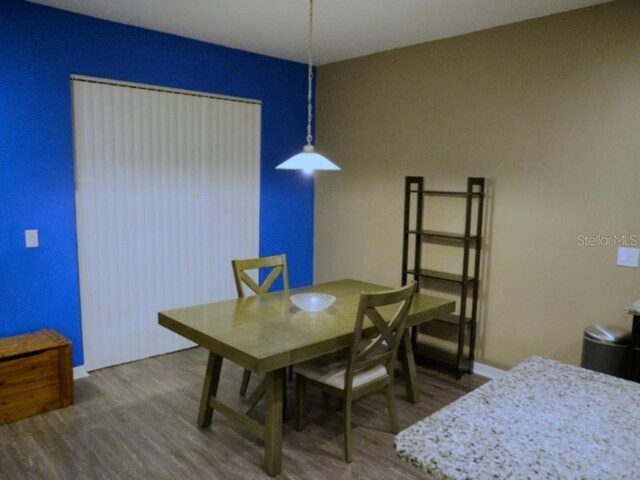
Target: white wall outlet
{"points": [[628, 257], [31, 238]]}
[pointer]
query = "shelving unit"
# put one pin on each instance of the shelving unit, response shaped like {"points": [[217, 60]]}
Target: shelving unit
{"points": [[469, 240], [635, 349]]}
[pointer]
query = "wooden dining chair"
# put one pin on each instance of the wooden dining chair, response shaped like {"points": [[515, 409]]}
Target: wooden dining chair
{"points": [[278, 268], [367, 366]]}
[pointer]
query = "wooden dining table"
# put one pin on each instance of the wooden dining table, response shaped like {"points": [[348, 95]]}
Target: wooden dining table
{"points": [[267, 333]]}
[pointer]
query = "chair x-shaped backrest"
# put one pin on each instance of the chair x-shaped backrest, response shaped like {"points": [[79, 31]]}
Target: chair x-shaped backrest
{"points": [[382, 347], [277, 264]]}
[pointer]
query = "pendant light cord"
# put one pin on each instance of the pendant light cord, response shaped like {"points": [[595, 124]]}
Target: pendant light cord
{"points": [[310, 76], [309, 160]]}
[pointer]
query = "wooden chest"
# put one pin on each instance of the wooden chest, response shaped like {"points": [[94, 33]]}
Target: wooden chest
{"points": [[35, 374]]}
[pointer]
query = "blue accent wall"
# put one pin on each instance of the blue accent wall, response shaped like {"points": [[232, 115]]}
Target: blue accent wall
{"points": [[40, 48]]}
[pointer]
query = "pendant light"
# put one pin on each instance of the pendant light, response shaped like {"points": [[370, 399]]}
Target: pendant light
{"points": [[309, 160]]}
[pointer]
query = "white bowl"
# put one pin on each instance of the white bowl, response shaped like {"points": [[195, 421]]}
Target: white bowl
{"points": [[312, 302]]}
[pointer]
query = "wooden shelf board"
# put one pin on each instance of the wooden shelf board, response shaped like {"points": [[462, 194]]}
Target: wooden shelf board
{"points": [[452, 319], [431, 357], [438, 275], [440, 234], [446, 193]]}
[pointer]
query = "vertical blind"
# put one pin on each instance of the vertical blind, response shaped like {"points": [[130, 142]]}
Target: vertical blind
{"points": [[167, 193]]}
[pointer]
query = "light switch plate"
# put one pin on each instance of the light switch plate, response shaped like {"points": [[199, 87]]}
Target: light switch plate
{"points": [[628, 257], [31, 238]]}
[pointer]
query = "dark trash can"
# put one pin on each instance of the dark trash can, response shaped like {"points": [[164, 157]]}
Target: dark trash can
{"points": [[605, 349]]}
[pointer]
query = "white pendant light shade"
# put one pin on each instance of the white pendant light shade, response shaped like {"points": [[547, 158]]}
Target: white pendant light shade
{"points": [[308, 160]]}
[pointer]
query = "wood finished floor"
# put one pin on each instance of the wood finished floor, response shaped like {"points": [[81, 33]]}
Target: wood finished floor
{"points": [[137, 421]]}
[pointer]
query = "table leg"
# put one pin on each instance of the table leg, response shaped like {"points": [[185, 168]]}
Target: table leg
{"points": [[273, 422], [210, 387], [409, 369], [259, 392]]}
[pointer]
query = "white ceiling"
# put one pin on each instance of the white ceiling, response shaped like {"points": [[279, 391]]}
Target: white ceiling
{"points": [[342, 28]]}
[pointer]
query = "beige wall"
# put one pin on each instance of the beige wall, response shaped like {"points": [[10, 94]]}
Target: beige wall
{"points": [[549, 111]]}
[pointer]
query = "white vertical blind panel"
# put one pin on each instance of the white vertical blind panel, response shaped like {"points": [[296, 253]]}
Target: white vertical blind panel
{"points": [[167, 193]]}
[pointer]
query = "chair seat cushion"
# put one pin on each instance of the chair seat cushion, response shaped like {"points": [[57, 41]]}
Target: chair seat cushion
{"points": [[331, 370]]}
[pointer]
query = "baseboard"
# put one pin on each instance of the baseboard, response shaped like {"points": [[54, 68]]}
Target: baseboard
{"points": [[80, 372], [478, 368], [487, 371]]}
